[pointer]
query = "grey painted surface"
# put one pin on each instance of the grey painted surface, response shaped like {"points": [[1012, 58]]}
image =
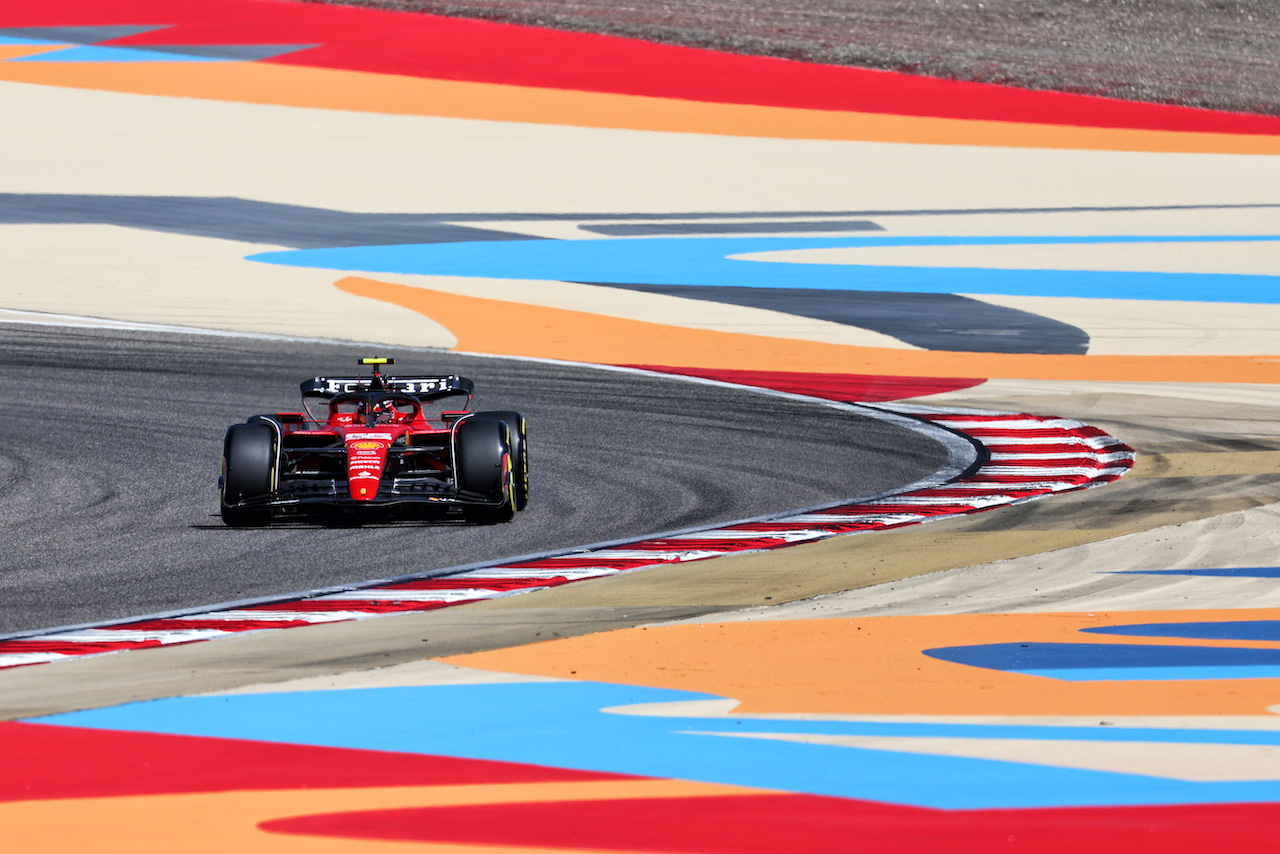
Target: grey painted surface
{"points": [[240, 219], [631, 229], [234, 52], [300, 227], [76, 35], [931, 321]]}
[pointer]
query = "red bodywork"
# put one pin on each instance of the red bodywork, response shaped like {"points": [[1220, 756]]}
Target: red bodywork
{"points": [[366, 457], [367, 445], [376, 445]]}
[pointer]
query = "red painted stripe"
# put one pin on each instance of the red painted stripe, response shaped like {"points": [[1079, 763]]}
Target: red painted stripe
{"points": [[849, 388], [836, 528], [382, 606], [745, 543], [1063, 462], [34, 645], [40, 762], [579, 561], [978, 417], [320, 607], [179, 623], [1090, 432], [1059, 448], [663, 545], [771, 823], [996, 490], [1010, 432], [427, 46], [496, 584], [902, 505]]}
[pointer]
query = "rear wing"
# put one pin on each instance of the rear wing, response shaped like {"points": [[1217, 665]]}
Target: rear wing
{"points": [[424, 389]]}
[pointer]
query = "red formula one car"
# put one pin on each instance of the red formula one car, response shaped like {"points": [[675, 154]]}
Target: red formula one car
{"points": [[376, 447]]}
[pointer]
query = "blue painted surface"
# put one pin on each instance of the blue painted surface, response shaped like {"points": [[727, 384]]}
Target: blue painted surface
{"points": [[562, 724], [1156, 674], [708, 262], [1245, 630], [25, 42], [1085, 662], [96, 53], [1240, 572]]}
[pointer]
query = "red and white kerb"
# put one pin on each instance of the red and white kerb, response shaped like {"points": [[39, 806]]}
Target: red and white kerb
{"points": [[1030, 457]]}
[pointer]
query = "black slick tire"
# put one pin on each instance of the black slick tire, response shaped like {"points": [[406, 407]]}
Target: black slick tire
{"points": [[517, 435], [248, 460], [483, 463]]}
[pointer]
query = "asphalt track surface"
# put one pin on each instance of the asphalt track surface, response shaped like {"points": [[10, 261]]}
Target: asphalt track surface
{"points": [[110, 445]]}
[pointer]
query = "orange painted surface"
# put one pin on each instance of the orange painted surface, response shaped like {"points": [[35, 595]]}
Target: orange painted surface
{"points": [[14, 51], [515, 329], [218, 822], [283, 85], [875, 666]]}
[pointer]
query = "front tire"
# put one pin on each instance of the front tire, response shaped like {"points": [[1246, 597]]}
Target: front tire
{"points": [[519, 441], [483, 465], [248, 471]]}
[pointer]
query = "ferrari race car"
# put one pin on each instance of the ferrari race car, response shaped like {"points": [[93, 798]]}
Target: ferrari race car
{"points": [[365, 448]]}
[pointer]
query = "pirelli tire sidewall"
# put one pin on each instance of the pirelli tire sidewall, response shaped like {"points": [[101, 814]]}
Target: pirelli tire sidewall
{"points": [[480, 445], [249, 459], [518, 440]]}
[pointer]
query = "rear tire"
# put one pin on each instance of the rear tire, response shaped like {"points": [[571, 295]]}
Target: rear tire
{"points": [[483, 463], [248, 471]]}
